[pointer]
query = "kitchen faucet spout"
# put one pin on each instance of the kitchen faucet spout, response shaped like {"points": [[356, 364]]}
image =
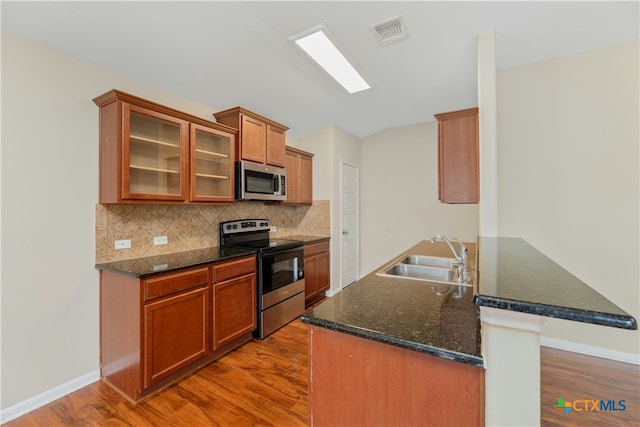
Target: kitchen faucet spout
{"points": [[461, 263], [448, 242]]}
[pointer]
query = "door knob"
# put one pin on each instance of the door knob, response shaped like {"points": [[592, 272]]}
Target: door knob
{"points": [[345, 232]]}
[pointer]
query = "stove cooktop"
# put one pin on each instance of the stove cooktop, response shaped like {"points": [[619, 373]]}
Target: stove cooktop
{"points": [[253, 234]]}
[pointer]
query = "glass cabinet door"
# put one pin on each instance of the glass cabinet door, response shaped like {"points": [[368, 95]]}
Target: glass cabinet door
{"points": [[155, 155], [211, 164]]}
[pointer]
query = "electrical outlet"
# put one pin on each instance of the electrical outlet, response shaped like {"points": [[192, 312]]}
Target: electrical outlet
{"points": [[273, 229], [160, 240], [160, 267], [123, 244]]}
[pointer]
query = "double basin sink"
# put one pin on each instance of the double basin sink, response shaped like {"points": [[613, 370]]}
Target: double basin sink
{"points": [[425, 268]]}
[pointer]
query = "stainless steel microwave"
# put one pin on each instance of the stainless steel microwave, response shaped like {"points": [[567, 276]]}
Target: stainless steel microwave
{"points": [[260, 182]]}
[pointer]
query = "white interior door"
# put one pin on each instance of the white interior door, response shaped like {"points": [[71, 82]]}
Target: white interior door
{"points": [[348, 224]]}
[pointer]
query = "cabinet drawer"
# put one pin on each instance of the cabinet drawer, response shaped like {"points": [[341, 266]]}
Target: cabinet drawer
{"points": [[231, 269], [316, 248], [171, 283]]}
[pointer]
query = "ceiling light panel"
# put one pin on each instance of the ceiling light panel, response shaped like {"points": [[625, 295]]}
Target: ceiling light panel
{"points": [[320, 45]]}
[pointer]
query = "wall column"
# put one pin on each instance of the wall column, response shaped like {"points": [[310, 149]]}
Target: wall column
{"points": [[511, 351]]}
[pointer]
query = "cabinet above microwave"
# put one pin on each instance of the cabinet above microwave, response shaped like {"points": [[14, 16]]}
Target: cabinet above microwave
{"points": [[260, 140]]}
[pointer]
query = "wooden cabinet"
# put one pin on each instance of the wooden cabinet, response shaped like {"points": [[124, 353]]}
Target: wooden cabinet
{"points": [[212, 153], [176, 333], [299, 166], [458, 179], [260, 140], [151, 153], [357, 381], [316, 271], [154, 330], [234, 301]]}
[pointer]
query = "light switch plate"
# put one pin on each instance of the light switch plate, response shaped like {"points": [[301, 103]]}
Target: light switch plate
{"points": [[273, 229]]}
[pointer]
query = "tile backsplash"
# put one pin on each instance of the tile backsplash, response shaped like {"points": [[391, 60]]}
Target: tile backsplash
{"points": [[193, 226]]}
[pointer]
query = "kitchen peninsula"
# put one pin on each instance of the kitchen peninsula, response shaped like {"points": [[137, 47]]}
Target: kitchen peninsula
{"points": [[393, 351], [412, 353]]}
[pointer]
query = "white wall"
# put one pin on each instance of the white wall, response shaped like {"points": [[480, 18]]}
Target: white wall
{"points": [[330, 145], [568, 179], [399, 204], [50, 332], [488, 206]]}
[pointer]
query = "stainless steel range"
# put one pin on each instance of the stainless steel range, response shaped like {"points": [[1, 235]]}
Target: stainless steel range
{"points": [[280, 271]]}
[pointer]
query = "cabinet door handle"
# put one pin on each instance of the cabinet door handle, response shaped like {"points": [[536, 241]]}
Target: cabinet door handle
{"points": [[345, 232]]}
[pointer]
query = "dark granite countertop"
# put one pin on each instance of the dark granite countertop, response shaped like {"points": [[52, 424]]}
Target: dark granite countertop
{"points": [[513, 275], [408, 313], [308, 239], [143, 267]]}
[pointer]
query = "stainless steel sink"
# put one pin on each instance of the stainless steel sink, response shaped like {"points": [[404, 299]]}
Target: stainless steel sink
{"points": [[423, 268], [436, 274], [429, 261]]}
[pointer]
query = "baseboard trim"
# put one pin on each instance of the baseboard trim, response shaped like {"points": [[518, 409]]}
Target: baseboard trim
{"points": [[590, 350], [48, 396], [332, 292]]}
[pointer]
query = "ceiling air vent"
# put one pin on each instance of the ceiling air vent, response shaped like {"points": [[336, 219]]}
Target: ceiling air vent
{"points": [[390, 30]]}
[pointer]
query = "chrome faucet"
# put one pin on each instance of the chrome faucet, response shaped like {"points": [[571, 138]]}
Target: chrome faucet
{"points": [[461, 263]]}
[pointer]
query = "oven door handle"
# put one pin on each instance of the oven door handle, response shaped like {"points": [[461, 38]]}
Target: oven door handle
{"points": [[284, 252]]}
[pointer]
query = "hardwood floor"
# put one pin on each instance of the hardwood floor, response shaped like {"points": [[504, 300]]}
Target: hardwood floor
{"points": [[262, 383], [576, 377], [265, 383]]}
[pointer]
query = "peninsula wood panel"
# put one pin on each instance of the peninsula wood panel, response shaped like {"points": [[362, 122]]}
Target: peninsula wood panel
{"points": [[355, 381]]}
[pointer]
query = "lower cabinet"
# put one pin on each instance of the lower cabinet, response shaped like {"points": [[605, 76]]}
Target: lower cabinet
{"points": [[234, 301], [175, 332], [316, 271], [156, 329]]}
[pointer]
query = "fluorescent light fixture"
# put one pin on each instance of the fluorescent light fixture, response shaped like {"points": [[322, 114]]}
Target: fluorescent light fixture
{"points": [[318, 43]]}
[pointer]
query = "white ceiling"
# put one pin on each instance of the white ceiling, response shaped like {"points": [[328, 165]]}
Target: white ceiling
{"points": [[224, 54]]}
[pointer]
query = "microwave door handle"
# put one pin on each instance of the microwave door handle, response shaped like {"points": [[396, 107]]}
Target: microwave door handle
{"points": [[276, 184]]}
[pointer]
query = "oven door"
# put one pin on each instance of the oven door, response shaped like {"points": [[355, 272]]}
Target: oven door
{"points": [[280, 269]]}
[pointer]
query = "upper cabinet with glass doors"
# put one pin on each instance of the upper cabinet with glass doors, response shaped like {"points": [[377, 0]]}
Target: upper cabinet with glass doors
{"points": [[212, 154], [152, 153]]}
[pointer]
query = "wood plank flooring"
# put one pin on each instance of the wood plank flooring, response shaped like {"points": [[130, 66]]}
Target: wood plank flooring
{"points": [[576, 377], [262, 383], [265, 383]]}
